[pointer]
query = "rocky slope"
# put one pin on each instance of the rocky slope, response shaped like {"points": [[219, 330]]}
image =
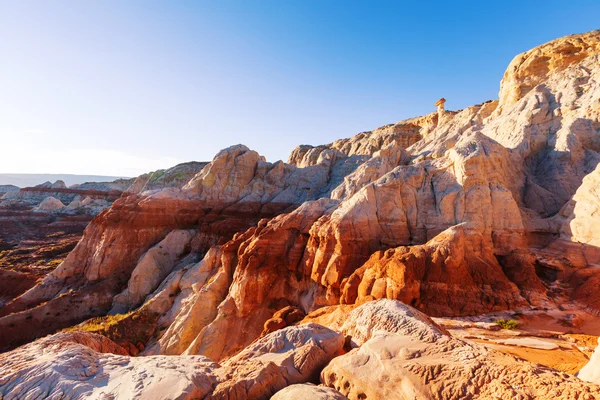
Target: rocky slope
{"points": [[456, 213], [7, 188], [394, 352], [40, 225]]}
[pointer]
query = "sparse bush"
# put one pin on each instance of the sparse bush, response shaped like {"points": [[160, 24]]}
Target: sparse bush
{"points": [[98, 324], [507, 324]]}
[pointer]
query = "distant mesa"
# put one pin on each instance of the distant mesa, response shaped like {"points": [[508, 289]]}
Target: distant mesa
{"points": [[31, 180], [59, 184], [8, 188]]}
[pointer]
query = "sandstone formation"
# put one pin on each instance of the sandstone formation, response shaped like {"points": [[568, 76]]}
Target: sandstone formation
{"points": [[50, 204], [176, 176], [291, 355], [591, 371], [33, 196], [285, 317], [85, 365], [390, 316], [217, 202], [442, 277], [8, 188], [308, 391], [532, 68], [418, 363], [457, 213], [400, 353], [152, 269], [440, 106]]}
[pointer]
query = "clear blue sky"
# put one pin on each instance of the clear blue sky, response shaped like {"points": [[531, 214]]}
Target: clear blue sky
{"points": [[122, 87]]}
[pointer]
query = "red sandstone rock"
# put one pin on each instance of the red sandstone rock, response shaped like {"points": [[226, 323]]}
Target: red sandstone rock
{"points": [[456, 213]]}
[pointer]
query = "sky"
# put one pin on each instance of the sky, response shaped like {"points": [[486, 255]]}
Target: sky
{"points": [[125, 87]]}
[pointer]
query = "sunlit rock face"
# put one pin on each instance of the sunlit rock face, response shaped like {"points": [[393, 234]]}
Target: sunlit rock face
{"points": [[534, 67], [227, 196], [456, 213], [591, 371], [86, 365], [396, 352], [402, 355]]}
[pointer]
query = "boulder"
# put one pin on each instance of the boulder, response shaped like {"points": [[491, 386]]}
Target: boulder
{"points": [[86, 365], [308, 391], [50, 204], [291, 355]]}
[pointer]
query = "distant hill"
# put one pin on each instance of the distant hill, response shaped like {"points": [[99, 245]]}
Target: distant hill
{"points": [[26, 180]]}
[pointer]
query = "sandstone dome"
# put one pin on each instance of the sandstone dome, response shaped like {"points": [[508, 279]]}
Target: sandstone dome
{"points": [[50, 204]]}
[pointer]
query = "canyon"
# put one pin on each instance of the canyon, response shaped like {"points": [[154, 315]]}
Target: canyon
{"points": [[454, 255]]}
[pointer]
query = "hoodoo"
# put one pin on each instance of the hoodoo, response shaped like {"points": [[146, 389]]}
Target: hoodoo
{"points": [[440, 105]]}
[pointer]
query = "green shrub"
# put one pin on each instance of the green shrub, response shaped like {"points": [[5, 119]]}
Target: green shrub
{"points": [[507, 324]]}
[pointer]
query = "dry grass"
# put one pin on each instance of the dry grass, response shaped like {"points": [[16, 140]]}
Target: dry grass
{"points": [[99, 324]]}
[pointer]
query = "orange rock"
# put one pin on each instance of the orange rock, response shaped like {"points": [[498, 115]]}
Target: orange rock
{"points": [[446, 276], [286, 316]]}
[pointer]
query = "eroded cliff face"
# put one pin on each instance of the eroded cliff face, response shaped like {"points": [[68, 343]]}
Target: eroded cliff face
{"points": [[229, 195], [391, 351], [455, 213]]}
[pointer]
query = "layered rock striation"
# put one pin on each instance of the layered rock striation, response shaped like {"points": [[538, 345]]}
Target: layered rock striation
{"points": [[455, 213]]}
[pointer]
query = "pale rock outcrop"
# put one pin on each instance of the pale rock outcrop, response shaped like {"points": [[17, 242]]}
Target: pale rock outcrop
{"points": [[363, 145], [420, 363], [583, 210], [308, 391], [382, 162], [201, 289], [50, 204], [86, 202], [59, 184], [7, 189], [390, 316], [84, 365], [591, 371], [266, 272], [154, 266], [75, 203], [447, 369], [534, 67], [176, 177], [291, 355], [238, 174], [87, 205]]}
